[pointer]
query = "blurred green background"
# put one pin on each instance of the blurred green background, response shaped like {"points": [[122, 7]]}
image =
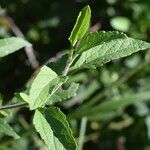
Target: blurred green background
{"points": [[47, 25]]}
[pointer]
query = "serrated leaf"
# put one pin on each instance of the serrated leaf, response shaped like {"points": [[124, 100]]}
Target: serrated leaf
{"points": [[42, 87], [63, 94], [81, 26], [101, 47], [10, 45], [54, 129], [6, 129]]}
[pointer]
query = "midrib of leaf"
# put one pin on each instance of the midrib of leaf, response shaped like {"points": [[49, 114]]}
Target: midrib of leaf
{"points": [[74, 36], [45, 132], [42, 124]]}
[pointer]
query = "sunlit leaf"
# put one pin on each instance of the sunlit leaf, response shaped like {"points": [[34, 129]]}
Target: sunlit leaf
{"points": [[42, 87], [10, 45], [81, 26], [102, 47], [54, 129]]}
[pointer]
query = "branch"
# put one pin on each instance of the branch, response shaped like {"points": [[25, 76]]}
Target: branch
{"points": [[29, 50], [96, 27], [11, 106]]}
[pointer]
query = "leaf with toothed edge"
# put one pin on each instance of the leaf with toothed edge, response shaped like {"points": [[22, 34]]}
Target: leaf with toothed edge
{"points": [[98, 48], [54, 129]]}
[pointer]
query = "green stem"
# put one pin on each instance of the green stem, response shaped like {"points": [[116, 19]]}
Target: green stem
{"points": [[11, 106], [70, 61], [82, 132]]}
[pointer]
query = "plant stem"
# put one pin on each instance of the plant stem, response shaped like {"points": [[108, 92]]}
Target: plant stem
{"points": [[11, 106], [82, 132], [70, 61], [66, 70]]}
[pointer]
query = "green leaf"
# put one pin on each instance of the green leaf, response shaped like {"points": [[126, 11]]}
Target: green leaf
{"points": [[117, 105], [84, 92], [58, 65], [101, 47], [91, 40], [120, 23], [64, 94], [10, 45], [42, 87], [6, 112], [81, 25], [147, 122], [54, 129], [6, 129], [22, 96]]}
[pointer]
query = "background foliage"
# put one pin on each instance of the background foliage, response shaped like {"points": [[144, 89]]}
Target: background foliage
{"points": [[47, 25]]}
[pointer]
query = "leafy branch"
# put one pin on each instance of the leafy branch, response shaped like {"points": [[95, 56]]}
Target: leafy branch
{"points": [[87, 50]]}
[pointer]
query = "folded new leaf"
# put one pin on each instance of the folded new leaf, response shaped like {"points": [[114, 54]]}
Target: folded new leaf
{"points": [[81, 26], [98, 48]]}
